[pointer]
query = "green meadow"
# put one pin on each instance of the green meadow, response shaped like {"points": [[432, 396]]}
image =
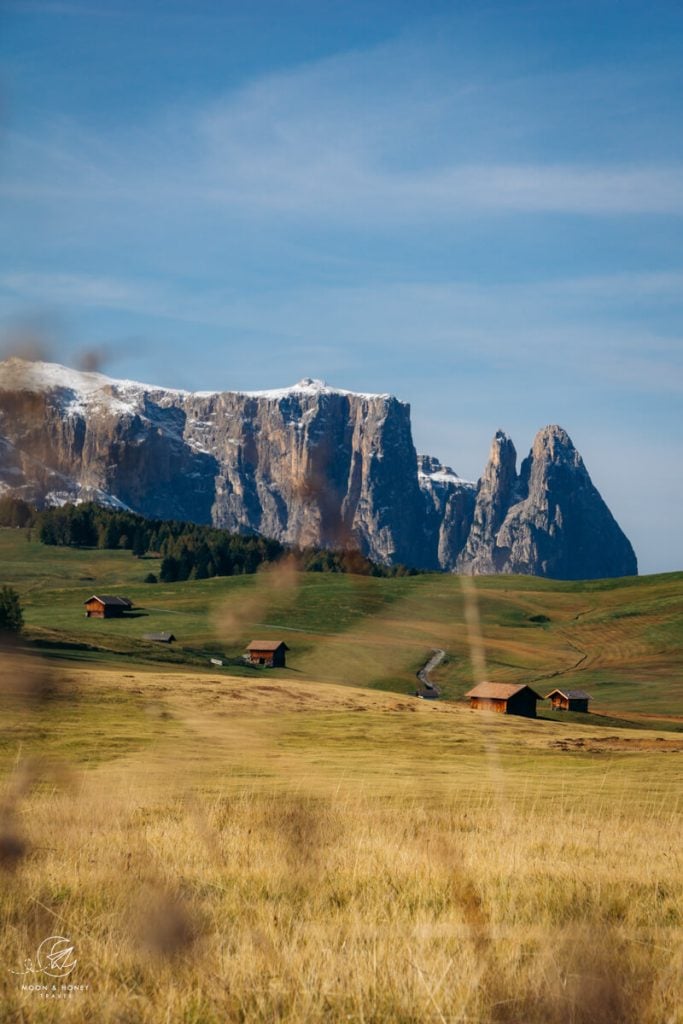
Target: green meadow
{"points": [[621, 640]]}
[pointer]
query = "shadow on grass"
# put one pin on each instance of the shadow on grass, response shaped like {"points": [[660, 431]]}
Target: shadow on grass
{"points": [[608, 721]]}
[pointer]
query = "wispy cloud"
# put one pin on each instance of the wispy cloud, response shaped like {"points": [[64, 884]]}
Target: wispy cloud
{"points": [[322, 141], [350, 140], [78, 289], [558, 327]]}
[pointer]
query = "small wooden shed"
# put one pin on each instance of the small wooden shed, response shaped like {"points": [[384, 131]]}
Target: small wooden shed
{"points": [[160, 638], [270, 653], [568, 700], [106, 606], [506, 698], [427, 691]]}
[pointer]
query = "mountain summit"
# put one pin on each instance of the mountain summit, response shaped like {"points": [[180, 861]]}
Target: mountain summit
{"points": [[549, 516], [307, 465]]}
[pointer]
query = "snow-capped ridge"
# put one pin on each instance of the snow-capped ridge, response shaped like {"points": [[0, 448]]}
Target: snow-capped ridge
{"points": [[446, 478], [28, 375], [90, 387], [310, 386], [431, 471]]}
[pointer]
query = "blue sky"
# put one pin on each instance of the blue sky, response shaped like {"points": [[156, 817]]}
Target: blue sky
{"points": [[476, 206]]}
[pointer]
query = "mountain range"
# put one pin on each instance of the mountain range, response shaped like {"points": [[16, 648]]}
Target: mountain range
{"points": [[307, 465]]}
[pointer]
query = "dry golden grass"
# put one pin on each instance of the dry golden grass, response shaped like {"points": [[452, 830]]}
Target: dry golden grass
{"points": [[282, 853]]}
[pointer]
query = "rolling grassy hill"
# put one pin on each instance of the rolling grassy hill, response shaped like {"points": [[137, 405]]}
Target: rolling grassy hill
{"points": [[291, 851], [300, 845], [622, 640]]}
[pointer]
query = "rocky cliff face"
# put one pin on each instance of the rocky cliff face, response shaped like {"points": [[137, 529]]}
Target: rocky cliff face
{"points": [[549, 520], [306, 465]]}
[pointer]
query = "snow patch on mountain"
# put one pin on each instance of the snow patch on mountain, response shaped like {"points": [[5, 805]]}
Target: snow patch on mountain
{"points": [[430, 472], [312, 387], [90, 388]]}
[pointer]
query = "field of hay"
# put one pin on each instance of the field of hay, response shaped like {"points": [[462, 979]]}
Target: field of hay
{"points": [[219, 850], [315, 844]]}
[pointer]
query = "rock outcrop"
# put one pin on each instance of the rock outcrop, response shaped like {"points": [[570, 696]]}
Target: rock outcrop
{"points": [[307, 465], [496, 492], [449, 504], [549, 520]]}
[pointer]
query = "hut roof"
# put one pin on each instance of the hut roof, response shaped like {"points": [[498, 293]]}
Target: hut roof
{"points": [[569, 694], [500, 691], [266, 645], [109, 599], [162, 638]]}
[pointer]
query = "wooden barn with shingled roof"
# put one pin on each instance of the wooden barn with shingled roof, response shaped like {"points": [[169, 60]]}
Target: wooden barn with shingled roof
{"points": [[505, 698], [106, 606], [269, 653], [568, 700]]}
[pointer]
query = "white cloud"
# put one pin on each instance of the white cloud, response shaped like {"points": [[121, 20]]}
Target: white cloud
{"points": [[555, 327], [74, 289], [383, 137]]}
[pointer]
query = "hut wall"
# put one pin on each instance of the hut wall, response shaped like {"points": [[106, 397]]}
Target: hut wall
{"points": [[261, 658], [488, 704], [523, 703], [271, 659]]}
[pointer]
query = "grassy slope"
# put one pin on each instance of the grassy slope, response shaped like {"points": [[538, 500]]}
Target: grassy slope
{"points": [[622, 640], [316, 852], [282, 848]]}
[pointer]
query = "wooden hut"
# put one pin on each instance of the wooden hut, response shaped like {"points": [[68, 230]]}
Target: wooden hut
{"points": [[568, 700], [105, 606], [506, 698], [270, 653], [427, 691], [160, 638]]}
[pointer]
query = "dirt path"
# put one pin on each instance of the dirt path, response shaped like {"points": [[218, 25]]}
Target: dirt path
{"points": [[586, 611], [423, 675], [570, 668]]}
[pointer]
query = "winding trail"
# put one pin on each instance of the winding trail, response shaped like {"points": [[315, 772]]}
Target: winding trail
{"points": [[423, 675], [569, 668], [586, 611]]}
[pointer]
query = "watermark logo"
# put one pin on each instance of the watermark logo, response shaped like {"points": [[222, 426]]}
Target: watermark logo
{"points": [[54, 957], [46, 976]]}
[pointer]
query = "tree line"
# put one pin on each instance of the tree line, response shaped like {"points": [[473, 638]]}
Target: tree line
{"points": [[11, 616], [187, 551]]}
